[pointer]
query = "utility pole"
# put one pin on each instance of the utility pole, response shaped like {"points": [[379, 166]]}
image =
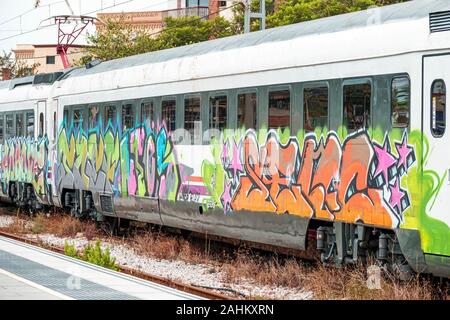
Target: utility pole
{"points": [[248, 15]]}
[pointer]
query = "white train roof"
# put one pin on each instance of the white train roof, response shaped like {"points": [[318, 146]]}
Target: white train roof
{"points": [[386, 31]]}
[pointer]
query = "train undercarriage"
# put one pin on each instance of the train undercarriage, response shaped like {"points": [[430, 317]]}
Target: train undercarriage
{"points": [[333, 243]]}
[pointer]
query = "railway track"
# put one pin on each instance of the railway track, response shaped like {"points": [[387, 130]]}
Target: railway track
{"points": [[209, 294]]}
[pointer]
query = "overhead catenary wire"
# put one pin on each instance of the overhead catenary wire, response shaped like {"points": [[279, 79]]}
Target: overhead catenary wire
{"points": [[53, 25], [28, 11], [155, 33]]}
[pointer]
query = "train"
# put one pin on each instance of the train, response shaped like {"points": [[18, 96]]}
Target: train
{"points": [[329, 133]]}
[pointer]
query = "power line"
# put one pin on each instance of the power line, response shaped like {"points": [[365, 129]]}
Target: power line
{"points": [[52, 25], [28, 11], [155, 33]]}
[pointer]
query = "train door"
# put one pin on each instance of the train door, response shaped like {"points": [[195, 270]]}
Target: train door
{"points": [[436, 130], [41, 112]]}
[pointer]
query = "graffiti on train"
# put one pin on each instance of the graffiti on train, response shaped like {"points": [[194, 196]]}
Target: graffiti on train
{"points": [[356, 180], [24, 159], [140, 162]]}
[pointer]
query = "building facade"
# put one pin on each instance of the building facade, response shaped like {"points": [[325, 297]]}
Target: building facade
{"points": [[153, 21], [42, 58]]}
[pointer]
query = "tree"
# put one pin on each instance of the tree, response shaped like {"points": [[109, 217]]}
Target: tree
{"points": [[17, 68], [294, 11], [188, 30], [117, 39]]}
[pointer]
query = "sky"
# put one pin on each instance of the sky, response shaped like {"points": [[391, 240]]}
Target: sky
{"points": [[20, 16]]}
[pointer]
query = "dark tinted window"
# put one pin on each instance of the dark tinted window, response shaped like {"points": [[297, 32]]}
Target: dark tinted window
{"points": [[400, 102], [279, 109], [438, 104], [315, 108], [77, 120], [2, 126], [147, 113], [110, 116], [19, 124], [9, 126], [127, 117], [94, 116], [357, 102], [246, 113], [192, 117], [30, 124], [218, 112], [168, 112]]}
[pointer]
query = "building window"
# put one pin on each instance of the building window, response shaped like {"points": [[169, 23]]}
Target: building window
{"points": [[50, 59], [196, 3], [19, 124], [315, 108], [438, 104], [192, 122], [9, 126], [30, 124], [127, 117], [246, 113], [147, 113], [218, 112], [168, 112], [357, 104], [94, 116], [400, 102], [279, 109], [110, 116]]}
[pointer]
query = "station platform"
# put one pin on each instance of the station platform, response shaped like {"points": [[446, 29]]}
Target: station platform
{"points": [[28, 272]]}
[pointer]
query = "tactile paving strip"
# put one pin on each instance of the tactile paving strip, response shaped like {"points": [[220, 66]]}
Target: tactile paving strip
{"points": [[59, 281]]}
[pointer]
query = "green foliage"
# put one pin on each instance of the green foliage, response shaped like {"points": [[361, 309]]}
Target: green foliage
{"points": [[70, 250], [117, 39], [17, 68], [93, 254], [188, 30], [294, 11], [96, 255]]}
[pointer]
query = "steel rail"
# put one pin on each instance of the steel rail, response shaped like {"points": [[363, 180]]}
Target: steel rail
{"points": [[136, 273]]}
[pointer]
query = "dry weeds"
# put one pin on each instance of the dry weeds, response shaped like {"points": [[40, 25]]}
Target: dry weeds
{"points": [[243, 264]]}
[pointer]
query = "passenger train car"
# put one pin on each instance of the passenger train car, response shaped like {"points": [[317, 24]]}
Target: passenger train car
{"points": [[334, 128]]}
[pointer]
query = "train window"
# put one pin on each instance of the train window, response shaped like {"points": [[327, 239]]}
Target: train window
{"points": [[127, 117], [279, 109], [315, 108], [357, 103], [30, 124], [77, 120], [192, 120], [94, 116], [438, 104], [54, 125], [218, 112], [147, 109], [110, 116], [168, 112], [19, 124], [2, 119], [246, 113], [66, 115], [400, 102], [9, 127]]}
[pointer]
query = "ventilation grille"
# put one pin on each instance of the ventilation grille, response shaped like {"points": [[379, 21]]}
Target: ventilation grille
{"points": [[440, 21], [106, 203]]}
